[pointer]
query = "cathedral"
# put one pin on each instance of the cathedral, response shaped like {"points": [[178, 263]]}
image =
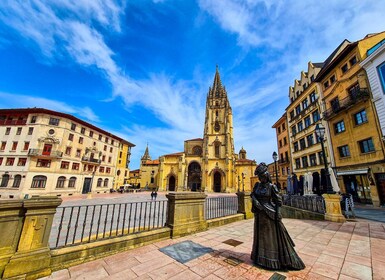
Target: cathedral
{"points": [[206, 164]]}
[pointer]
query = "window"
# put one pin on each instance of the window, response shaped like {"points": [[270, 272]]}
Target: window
{"points": [[112, 142], [304, 86], [307, 121], [18, 131], [304, 162], [101, 169], [292, 113], [111, 149], [16, 181], [366, 146], [103, 158], [60, 182], [326, 84], [90, 168], [26, 146], [300, 126], [313, 97], [64, 165], [313, 159], [332, 79], [3, 145], [304, 104], [71, 137], [30, 130], [298, 109], [354, 91], [297, 93], [284, 140], [80, 140], [312, 78], [381, 74], [14, 146], [360, 117], [297, 163], [38, 182], [100, 137], [75, 166], [33, 119], [105, 183], [54, 121], [320, 158], [344, 68], [72, 182], [283, 127], [106, 139], [10, 161], [344, 151], [280, 143], [4, 181], [109, 159], [22, 162], [296, 147], [279, 130], [78, 152], [294, 130], [108, 170], [73, 126], [7, 131], [43, 163], [82, 130], [91, 133], [120, 153], [105, 148], [310, 140], [1, 160], [353, 61], [68, 150], [302, 143], [217, 149], [316, 116], [339, 127], [99, 183], [335, 104]]}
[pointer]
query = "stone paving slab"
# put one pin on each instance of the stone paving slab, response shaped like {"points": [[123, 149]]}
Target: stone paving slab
{"points": [[348, 251]]}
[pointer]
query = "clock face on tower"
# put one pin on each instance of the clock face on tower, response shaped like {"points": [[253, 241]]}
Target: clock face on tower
{"points": [[217, 127]]}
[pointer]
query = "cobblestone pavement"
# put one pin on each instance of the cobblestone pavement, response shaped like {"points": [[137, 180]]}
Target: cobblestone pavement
{"points": [[346, 251]]}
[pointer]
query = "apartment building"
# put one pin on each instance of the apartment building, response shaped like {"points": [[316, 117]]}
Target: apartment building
{"points": [[355, 133], [44, 152]]}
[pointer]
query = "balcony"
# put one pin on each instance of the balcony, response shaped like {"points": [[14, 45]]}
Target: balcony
{"points": [[90, 160], [44, 154], [283, 161], [347, 102], [13, 122]]}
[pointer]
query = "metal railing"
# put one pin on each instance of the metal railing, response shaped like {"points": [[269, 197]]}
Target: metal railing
{"points": [[91, 160], [40, 152], [74, 225], [311, 203], [216, 207]]}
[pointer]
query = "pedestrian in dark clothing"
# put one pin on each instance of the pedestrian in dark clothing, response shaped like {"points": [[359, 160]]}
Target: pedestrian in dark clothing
{"points": [[152, 195], [155, 195]]}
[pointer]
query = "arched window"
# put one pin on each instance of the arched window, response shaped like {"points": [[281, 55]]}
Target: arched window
{"points": [[105, 182], [16, 181], [99, 184], [197, 150], [38, 182], [217, 146], [4, 181], [72, 182], [60, 182]]}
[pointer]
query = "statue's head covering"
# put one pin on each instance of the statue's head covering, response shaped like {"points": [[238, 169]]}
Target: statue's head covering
{"points": [[261, 169]]}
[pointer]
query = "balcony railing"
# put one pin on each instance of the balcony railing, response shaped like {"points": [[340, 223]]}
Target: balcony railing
{"points": [[347, 102], [41, 153], [91, 160], [283, 161], [13, 122]]}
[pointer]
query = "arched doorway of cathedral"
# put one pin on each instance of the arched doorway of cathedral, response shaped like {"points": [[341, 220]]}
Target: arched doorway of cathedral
{"points": [[217, 182], [194, 177], [171, 183]]}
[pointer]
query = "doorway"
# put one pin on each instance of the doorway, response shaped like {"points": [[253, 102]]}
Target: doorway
{"points": [[194, 177], [380, 178], [171, 184], [86, 185], [217, 182]]}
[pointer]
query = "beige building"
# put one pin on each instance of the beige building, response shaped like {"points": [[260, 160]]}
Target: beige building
{"points": [[206, 164], [44, 152]]}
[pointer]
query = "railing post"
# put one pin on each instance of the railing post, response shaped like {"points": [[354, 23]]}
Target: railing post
{"points": [[245, 204], [333, 208], [186, 213], [11, 223], [33, 258]]}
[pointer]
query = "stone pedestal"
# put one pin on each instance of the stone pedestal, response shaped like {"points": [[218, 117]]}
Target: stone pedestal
{"points": [[32, 259], [11, 223], [333, 208], [245, 204], [186, 213]]}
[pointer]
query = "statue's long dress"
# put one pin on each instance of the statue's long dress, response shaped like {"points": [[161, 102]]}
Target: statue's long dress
{"points": [[273, 248]]}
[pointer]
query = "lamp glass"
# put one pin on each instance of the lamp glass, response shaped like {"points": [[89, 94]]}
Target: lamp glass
{"points": [[275, 156], [320, 130]]}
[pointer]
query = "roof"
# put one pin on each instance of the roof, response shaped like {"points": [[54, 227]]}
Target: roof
{"points": [[196, 139], [152, 162], [174, 154], [245, 161], [135, 171], [63, 115]]}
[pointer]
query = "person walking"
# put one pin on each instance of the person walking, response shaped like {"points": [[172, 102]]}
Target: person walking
{"points": [[152, 195], [155, 194]]}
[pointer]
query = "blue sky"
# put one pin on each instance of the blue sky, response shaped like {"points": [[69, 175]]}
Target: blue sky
{"points": [[142, 69]]}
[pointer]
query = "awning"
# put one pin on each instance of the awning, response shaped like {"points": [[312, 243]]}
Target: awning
{"points": [[352, 172]]}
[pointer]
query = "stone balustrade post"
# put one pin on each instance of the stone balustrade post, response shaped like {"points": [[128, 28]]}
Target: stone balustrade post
{"points": [[333, 208], [186, 213], [32, 258], [245, 204], [11, 223]]}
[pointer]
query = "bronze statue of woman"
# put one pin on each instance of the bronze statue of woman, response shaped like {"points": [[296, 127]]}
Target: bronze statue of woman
{"points": [[273, 247]]}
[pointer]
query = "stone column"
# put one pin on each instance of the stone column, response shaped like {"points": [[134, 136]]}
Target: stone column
{"points": [[11, 223], [333, 208], [32, 259], [185, 213], [245, 204]]}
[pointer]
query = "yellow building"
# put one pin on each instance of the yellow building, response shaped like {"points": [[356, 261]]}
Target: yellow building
{"points": [[206, 164], [122, 165], [284, 156], [45, 152], [354, 129]]}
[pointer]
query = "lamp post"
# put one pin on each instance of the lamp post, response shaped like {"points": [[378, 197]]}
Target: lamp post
{"points": [[275, 157], [320, 132]]}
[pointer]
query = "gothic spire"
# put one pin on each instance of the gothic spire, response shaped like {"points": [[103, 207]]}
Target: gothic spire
{"points": [[146, 155], [217, 88]]}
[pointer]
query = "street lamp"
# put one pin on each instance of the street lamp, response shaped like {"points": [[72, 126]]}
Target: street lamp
{"points": [[320, 132], [275, 157]]}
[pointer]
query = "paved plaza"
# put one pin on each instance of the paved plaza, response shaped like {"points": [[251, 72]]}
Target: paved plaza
{"points": [[351, 250]]}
